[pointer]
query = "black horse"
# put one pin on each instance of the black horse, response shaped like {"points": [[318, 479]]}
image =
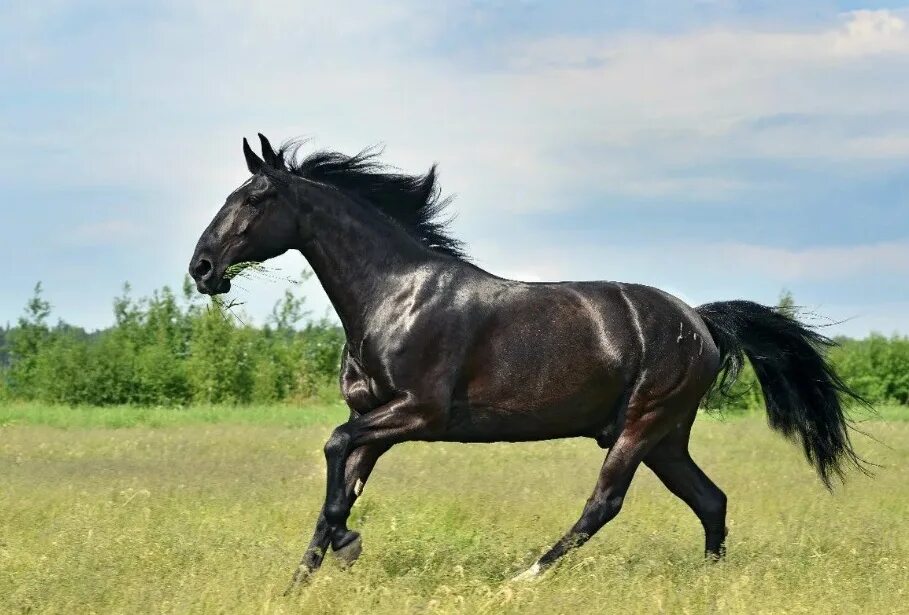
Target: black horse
{"points": [[440, 350]]}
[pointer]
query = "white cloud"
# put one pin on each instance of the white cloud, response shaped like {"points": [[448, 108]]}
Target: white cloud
{"points": [[870, 32], [628, 262], [537, 122], [635, 113], [821, 263]]}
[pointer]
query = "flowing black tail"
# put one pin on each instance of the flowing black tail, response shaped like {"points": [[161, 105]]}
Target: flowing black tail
{"points": [[803, 393]]}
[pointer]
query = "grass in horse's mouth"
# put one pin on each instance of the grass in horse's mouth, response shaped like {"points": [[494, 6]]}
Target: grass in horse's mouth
{"points": [[244, 268], [253, 269], [248, 270]]}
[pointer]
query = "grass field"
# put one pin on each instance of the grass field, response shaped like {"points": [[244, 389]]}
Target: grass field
{"points": [[208, 510]]}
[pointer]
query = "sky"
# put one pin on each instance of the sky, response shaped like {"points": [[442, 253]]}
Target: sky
{"points": [[715, 149]]}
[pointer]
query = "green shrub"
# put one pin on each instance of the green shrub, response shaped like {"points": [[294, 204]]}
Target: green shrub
{"points": [[164, 350]]}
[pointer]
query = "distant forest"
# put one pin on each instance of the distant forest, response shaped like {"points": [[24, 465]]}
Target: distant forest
{"points": [[167, 350], [170, 350]]}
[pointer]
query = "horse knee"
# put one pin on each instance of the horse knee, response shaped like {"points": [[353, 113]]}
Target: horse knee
{"points": [[337, 443]]}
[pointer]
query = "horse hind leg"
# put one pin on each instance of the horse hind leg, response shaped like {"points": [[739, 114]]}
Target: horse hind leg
{"points": [[621, 462], [673, 465]]}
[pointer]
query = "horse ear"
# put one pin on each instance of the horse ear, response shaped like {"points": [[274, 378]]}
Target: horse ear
{"points": [[253, 162], [268, 152]]}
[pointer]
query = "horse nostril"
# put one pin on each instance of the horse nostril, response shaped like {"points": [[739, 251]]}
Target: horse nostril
{"points": [[203, 268]]}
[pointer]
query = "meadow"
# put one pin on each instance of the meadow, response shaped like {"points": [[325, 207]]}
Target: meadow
{"points": [[207, 509]]}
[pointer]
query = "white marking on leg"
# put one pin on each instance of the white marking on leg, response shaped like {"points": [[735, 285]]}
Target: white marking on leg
{"points": [[358, 487], [530, 574]]}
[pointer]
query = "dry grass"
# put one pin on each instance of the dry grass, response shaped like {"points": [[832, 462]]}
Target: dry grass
{"points": [[213, 517]]}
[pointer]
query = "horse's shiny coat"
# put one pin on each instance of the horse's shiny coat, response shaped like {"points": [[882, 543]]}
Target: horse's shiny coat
{"points": [[439, 350]]}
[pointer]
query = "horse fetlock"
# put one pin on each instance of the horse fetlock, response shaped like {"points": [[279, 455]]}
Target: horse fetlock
{"points": [[343, 537], [716, 543], [336, 514]]}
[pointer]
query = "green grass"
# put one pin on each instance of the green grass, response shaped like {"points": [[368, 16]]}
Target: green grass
{"points": [[324, 411], [887, 413], [115, 417], [208, 510]]}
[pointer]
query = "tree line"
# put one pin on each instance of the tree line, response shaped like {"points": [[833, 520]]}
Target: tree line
{"points": [[170, 350]]}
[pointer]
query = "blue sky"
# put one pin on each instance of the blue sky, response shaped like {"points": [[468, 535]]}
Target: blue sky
{"points": [[714, 149]]}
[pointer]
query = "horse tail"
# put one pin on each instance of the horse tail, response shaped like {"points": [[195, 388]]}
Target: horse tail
{"points": [[803, 394]]}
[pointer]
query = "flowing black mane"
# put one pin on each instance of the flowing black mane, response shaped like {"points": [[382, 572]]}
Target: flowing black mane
{"points": [[413, 201]]}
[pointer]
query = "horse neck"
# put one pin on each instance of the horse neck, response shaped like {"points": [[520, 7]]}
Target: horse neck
{"points": [[357, 253]]}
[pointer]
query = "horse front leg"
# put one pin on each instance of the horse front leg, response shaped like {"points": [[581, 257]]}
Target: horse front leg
{"points": [[359, 466], [398, 421]]}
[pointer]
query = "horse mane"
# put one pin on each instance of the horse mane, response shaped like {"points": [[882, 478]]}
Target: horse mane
{"points": [[413, 201]]}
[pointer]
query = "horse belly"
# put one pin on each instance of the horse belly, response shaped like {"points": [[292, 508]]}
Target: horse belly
{"points": [[579, 415], [540, 387]]}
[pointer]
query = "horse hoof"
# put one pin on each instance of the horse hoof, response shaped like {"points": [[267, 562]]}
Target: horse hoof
{"points": [[349, 553], [531, 574]]}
